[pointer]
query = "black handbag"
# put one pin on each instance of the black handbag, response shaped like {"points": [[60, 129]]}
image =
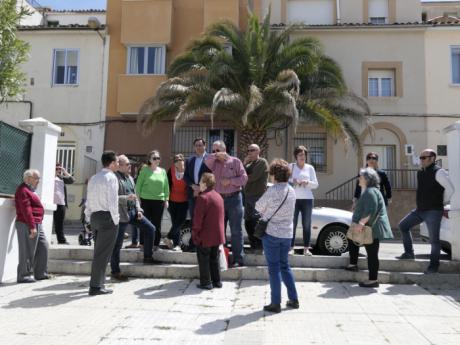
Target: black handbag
{"points": [[261, 226]]}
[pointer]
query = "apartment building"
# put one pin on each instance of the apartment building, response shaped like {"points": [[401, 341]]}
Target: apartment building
{"points": [[65, 84], [406, 69]]}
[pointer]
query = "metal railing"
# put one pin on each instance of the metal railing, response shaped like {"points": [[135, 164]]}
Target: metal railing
{"points": [[400, 179], [14, 156]]}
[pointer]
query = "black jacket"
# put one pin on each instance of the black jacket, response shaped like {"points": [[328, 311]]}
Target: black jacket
{"points": [[385, 187]]}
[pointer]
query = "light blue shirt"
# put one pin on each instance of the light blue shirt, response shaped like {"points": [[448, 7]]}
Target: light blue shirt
{"points": [[196, 172]]}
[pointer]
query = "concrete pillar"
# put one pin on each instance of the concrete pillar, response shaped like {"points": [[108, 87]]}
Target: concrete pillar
{"points": [[453, 150], [43, 158]]}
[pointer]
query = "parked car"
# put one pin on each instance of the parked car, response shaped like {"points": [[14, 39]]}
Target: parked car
{"points": [[328, 231], [446, 232]]}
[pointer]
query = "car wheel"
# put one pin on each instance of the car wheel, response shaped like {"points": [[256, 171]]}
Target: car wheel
{"points": [[333, 240], [185, 237]]}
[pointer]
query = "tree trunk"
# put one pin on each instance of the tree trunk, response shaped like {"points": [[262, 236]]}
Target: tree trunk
{"points": [[248, 136]]}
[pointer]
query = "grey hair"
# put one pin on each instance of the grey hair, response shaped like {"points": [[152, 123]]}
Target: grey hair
{"points": [[29, 173], [221, 144], [371, 177]]}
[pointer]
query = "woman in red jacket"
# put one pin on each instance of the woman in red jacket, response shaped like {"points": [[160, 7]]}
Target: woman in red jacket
{"points": [[33, 246], [208, 232]]}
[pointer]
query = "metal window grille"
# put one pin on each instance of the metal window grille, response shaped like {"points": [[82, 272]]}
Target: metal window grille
{"points": [[184, 136], [14, 156], [316, 143], [66, 156]]}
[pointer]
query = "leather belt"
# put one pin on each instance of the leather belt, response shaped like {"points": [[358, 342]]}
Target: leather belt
{"points": [[228, 195]]}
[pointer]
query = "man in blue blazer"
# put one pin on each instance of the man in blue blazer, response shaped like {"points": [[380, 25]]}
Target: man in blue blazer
{"points": [[194, 168]]}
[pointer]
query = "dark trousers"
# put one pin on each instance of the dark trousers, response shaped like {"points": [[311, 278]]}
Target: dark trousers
{"points": [[305, 208], [372, 257], [105, 234], [58, 219], [153, 210], [178, 213], [250, 220], [208, 263]]}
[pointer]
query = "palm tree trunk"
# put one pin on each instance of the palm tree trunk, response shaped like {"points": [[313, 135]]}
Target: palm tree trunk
{"points": [[248, 136]]}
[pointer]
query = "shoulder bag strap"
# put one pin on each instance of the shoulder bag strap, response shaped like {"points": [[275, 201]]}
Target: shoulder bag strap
{"points": [[279, 206]]}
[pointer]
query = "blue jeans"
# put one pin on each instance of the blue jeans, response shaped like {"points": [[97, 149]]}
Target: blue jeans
{"points": [[432, 218], [149, 233], [305, 208], [234, 215], [276, 253]]}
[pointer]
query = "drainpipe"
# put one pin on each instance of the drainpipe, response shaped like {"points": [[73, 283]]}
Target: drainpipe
{"points": [[337, 2], [31, 105]]}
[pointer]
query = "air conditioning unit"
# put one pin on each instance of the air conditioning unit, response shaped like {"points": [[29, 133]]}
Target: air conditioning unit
{"points": [[409, 149]]}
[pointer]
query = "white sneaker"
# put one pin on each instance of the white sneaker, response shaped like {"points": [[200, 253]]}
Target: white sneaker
{"points": [[291, 251], [307, 252], [176, 249]]}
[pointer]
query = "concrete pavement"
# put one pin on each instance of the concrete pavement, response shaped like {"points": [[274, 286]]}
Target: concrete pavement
{"points": [[158, 311]]}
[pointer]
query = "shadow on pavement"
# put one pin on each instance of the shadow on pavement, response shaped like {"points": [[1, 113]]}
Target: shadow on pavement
{"points": [[47, 300], [236, 321], [168, 290], [343, 291], [65, 286]]}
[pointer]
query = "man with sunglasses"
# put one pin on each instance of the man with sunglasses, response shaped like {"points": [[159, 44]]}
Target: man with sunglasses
{"points": [[230, 178], [257, 170], [434, 190]]}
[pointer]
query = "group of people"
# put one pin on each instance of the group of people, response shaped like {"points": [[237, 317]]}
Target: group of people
{"points": [[217, 188]]}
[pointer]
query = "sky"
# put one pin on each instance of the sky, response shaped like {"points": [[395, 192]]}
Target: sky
{"points": [[73, 4]]}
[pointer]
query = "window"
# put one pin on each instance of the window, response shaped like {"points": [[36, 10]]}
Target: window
{"points": [[184, 136], [455, 58], [146, 60], [381, 83], [66, 156], [378, 11], [316, 144], [65, 67], [311, 12]]}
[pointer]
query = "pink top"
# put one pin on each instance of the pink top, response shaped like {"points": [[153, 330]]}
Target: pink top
{"points": [[231, 169]]}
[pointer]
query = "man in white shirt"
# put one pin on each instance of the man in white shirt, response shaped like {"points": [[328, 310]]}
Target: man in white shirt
{"points": [[434, 190], [102, 212]]}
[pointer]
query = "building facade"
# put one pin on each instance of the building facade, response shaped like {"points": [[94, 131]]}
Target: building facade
{"points": [[66, 84]]}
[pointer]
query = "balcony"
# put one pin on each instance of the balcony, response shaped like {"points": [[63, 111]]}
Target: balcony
{"points": [[133, 90]]}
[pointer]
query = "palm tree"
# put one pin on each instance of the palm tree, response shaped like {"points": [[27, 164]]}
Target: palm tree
{"points": [[257, 80]]}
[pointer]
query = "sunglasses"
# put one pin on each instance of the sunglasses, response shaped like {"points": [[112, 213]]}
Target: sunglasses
{"points": [[372, 158], [155, 158], [425, 157], [215, 151]]}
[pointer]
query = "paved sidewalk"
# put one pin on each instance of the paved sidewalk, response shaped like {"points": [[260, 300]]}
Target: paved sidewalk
{"points": [[146, 311]]}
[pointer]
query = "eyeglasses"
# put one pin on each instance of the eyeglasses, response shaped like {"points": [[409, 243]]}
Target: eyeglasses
{"points": [[178, 160], [425, 157], [372, 158], [215, 151], [155, 158], [36, 178]]}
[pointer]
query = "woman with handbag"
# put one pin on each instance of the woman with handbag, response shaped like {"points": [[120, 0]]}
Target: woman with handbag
{"points": [[276, 206], [370, 211]]}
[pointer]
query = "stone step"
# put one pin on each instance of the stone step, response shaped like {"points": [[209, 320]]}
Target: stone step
{"points": [[190, 271], [80, 253]]}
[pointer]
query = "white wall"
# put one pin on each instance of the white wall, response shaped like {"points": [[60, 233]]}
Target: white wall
{"points": [[66, 18], [35, 18], [310, 11], [8, 240]]}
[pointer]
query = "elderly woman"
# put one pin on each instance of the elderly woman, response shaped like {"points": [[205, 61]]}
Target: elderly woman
{"points": [[33, 247], [178, 201], [208, 232], [370, 210], [153, 189], [277, 204]]}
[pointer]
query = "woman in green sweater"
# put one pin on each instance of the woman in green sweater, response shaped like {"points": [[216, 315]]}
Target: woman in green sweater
{"points": [[370, 210], [152, 187]]}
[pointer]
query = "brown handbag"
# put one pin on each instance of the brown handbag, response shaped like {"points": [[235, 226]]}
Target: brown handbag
{"points": [[360, 237]]}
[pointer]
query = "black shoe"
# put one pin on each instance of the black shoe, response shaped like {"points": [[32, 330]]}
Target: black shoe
{"points": [[65, 242], [273, 308], [45, 277], [217, 285], [369, 284], [293, 303], [431, 269], [352, 268], [204, 287], [237, 264], [151, 261], [406, 256], [120, 277], [98, 291], [26, 280]]}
